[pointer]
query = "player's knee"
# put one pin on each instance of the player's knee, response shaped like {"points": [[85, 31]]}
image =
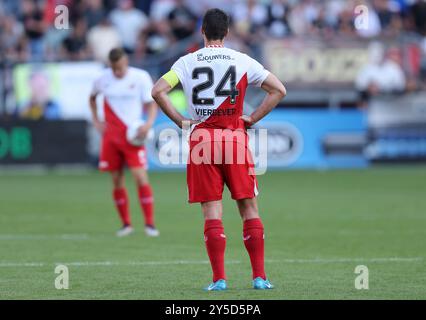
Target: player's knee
{"points": [[212, 210], [118, 184], [249, 213], [141, 179], [118, 180], [248, 209]]}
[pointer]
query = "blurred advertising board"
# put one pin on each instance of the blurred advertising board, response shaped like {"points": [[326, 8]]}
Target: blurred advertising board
{"points": [[295, 139], [397, 129], [315, 138], [43, 142], [301, 62], [63, 87], [334, 63]]}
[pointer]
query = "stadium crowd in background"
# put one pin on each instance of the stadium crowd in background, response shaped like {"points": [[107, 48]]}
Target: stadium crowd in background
{"points": [[161, 30], [150, 26]]}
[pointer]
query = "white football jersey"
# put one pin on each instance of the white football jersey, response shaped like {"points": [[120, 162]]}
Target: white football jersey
{"points": [[124, 98], [214, 80]]}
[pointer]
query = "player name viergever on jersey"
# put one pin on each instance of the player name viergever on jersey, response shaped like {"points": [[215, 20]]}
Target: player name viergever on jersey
{"points": [[215, 112], [209, 58]]}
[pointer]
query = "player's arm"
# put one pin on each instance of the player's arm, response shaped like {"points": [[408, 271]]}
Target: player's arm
{"points": [[275, 92], [149, 105], [159, 93], [151, 112], [99, 125]]}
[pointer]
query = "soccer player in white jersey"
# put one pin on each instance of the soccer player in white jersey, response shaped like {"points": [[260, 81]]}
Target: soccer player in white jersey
{"points": [[214, 80], [126, 92]]}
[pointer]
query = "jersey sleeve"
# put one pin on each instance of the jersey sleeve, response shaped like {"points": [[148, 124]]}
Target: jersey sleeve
{"points": [[256, 73], [147, 85], [96, 88], [171, 78], [179, 68]]}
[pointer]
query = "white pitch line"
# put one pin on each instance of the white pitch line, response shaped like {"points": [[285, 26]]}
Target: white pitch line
{"points": [[344, 260], [21, 264], [197, 262], [107, 263], [70, 236]]}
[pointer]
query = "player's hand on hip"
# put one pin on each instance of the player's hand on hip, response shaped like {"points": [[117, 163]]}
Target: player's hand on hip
{"points": [[143, 131], [99, 126], [188, 123], [248, 121]]}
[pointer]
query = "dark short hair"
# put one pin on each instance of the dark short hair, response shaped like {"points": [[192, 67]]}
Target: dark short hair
{"points": [[116, 54], [215, 24]]}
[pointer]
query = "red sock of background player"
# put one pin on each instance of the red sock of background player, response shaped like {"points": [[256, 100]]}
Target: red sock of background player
{"points": [[254, 241], [146, 200], [215, 240], [122, 204]]}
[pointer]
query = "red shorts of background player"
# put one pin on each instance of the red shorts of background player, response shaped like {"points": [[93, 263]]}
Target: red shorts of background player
{"points": [[227, 163], [117, 151]]}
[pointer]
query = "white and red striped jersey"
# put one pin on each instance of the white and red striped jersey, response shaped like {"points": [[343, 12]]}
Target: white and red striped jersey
{"points": [[124, 97], [214, 80]]}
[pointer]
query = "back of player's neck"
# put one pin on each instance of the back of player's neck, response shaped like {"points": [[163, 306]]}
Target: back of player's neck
{"points": [[214, 44]]}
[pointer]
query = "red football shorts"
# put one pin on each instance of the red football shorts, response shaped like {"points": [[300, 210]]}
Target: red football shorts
{"points": [[117, 151], [212, 164]]}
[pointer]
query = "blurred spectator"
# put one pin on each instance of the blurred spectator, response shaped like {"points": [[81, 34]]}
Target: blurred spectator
{"points": [[41, 105], [21, 52], [249, 18], [333, 10], [199, 7], [182, 20], [34, 26], [160, 9], [390, 20], [345, 23], [11, 32], [422, 73], [418, 13], [254, 20], [321, 25], [9, 7], [93, 12], [303, 15], [75, 45], [277, 18], [144, 5], [129, 22], [235, 42], [382, 75], [102, 38], [154, 39], [382, 7]]}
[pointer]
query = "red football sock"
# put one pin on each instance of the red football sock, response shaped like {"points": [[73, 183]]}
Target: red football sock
{"points": [[146, 200], [122, 204], [254, 241], [215, 240]]}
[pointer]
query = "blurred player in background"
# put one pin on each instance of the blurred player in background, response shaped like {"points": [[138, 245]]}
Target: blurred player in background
{"points": [[126, 91], [215, 79]]}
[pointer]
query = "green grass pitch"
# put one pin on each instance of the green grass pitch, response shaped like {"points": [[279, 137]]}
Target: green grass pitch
{"points": [[319, 226]]}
